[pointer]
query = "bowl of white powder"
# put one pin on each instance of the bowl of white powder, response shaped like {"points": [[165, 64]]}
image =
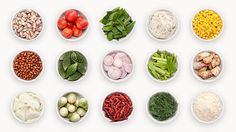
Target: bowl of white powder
{"points": [[162, 25], [207, 107], [27, 107]]}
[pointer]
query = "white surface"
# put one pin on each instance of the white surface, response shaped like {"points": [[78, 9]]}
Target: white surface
{"points": [[95, 86]]}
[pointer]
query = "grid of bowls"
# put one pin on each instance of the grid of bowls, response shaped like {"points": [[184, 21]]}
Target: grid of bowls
{"points": [[117, 66]]}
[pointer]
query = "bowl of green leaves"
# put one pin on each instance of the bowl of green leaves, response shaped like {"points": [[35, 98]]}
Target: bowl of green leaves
{"points": [[162, 107], [72, 66], [117, 24], [162, 66]]}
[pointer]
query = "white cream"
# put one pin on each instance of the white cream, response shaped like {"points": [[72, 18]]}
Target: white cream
{"points": [[27, 107]]}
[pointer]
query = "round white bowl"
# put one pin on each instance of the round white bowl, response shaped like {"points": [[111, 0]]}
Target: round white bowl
{"points": [[119, 80], [159, 39], [31, 121], [162, 81], [81, 78], [65, 119], [166, 121], [212, 79], [207, 122], [26, 40], [27, 81], [205, 40], [117, 122], [73, 39]]}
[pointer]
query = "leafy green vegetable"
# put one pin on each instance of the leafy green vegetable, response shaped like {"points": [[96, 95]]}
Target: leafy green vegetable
{"points": [[117, 24], [72, 65], [162, 65], [162, 106]]}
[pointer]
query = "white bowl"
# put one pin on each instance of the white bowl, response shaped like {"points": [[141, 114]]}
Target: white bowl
{"points": [[212, 79], [159, 39], [114, 41], [119, 80], [207, 122], [166, 121], [169, 79], [65, 119], [31, 121], [26, 40], [212, 38], [73, 39], [27, 81], [117, 122], [81, 78]]}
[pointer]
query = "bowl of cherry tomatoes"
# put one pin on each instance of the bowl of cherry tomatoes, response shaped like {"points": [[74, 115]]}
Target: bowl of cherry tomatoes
{"points": [[72, 25]]}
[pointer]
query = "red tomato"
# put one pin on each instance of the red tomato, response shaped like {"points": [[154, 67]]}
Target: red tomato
{"points": [[80, 17], [76, 32], [71, 15], [67, 33], [81, 24], [61, 23], [70, 25]]}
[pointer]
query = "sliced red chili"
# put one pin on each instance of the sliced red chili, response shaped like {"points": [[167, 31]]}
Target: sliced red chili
{"points": [[117, 106]]}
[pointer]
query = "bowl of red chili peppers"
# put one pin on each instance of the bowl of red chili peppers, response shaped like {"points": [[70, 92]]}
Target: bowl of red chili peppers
{"points": [[117, 107], [72, 25]]}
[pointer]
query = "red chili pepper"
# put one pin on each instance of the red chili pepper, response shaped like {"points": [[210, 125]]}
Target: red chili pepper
{"points": [[117, 106]]}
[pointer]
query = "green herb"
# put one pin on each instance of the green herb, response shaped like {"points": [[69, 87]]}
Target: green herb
{"points": [[162, 65], [162, 106], [72, 65], [117, 24]]}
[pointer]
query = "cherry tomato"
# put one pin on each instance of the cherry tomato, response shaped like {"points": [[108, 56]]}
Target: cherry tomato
{"points": [[80, 17], [71, 15], [70, 25], [81, 24], [61, 23], [76, 32], [67, 33]]}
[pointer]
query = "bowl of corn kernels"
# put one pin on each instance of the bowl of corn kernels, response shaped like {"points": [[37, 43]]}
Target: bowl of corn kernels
{"points": [[207, 25]]}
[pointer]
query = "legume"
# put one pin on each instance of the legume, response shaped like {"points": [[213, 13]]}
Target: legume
{"points": [[27, 24], [27, 65]]}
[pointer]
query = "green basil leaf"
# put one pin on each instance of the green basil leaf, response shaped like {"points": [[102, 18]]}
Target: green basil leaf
{"points": [[71, 69], [75, 76], [61, 70], [130, 27], [110, 36], [73, 57], [82, 68], [66, 60]]}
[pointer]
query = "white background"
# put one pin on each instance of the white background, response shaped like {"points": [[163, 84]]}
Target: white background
{"points": [[94, 46]]}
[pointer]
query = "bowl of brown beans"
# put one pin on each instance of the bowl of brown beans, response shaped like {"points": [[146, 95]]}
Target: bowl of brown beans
{"points": [[27, 66], [117, 107]]}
